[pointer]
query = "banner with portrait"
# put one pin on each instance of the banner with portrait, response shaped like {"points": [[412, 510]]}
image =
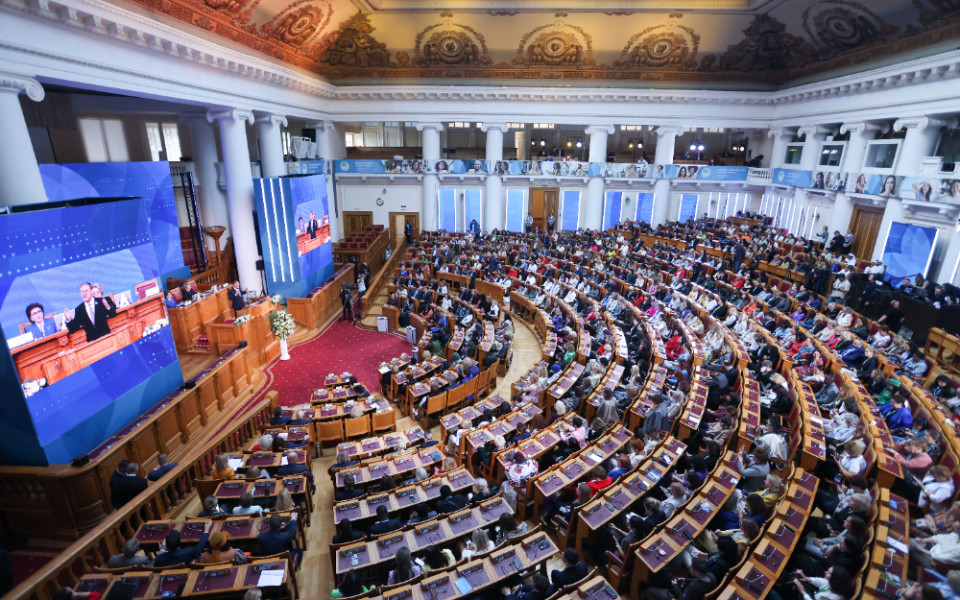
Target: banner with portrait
{"points": [[625, 170]]}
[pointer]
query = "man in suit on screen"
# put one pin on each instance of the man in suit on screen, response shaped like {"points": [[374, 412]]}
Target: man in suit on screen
{"points": [[314, 226], [91, 314]]}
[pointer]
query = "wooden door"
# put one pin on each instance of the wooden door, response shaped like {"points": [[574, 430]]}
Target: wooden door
{"points": [[399, 220], [865, 225], [356, 220], [543, 201]]}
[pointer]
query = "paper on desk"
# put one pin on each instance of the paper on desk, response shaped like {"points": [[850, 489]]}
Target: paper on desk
{"points": [[235, 463], [283, 460], [270, 578], [463, 586], [897, 544]]}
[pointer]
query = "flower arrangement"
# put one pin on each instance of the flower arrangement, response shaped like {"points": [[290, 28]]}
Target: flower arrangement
{"points": [[241, 320], [282, 324], [276, 298]]}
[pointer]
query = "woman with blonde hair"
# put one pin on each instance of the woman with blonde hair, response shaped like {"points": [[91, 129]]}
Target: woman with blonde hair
{"points": [[222, 468], [478, 543], [284, 501]]}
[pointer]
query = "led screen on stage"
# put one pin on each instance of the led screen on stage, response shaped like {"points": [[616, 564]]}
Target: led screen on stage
{"points": [[908, 251], [297, 252], [148, 180], [84, 321]]}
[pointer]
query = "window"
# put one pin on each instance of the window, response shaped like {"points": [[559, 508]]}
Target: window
{"points": [[792, 154], [831, 155], [472, 207], [516, 208], [287, 144], [104, 140], [570, 210], [631, 128], [515, 125], [457, 207], [611, 209], [543, 125], [447, 209], [645, 207], [348, 140], [881, 154], [688, 207], [459, 125]]}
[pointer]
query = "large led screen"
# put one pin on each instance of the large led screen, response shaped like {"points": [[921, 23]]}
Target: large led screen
{"points": [[908, 251], [84, 319]]}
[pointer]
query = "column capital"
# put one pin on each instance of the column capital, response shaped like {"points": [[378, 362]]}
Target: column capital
{"points": [[270, 118], [231, 114], [809, 131], [324, 125], [780, 131], [430, 127], [19, 84], [607, 129], [502, 127], [665, 130], [860, 127], [192, 118], [921, 123]]}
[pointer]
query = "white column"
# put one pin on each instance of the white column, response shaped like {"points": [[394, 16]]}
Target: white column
{"points": [[20, 181], [236, 166], [213, 204], [813, 136], [494, 202], [593, 211], [430, 137], [852, 161], [271, 144], [918, 143], [666, 142], [326, 135], [779, 135]]}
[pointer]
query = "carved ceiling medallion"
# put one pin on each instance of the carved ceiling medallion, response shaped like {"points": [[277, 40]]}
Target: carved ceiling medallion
{"points": [[840, 25], [449, 43], [299, 23], [662, 46], [353, 45], [766, 47], [555, 45]]}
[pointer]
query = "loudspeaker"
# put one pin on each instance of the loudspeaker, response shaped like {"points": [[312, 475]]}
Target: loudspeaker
{"points": [[260, 265], [242, 344], [80, 460], [189, 385]]}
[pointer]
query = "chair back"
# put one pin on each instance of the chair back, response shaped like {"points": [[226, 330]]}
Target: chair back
{"points": [[206, 487], [385, 421], [359, 426], [436, 404], [455, 397]]}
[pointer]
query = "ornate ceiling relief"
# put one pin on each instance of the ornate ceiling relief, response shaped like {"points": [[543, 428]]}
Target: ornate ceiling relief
{"points": [[661, 46], [934, 13], [557, 45], [840, 25], [352, 45], [449, 43], [766, 47], [299, 23]]}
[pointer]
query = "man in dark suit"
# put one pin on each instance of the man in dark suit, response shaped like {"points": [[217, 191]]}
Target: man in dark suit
{"points": [[313, 226], [279, 538], [278, 417], [127, 487], [573, 569], [172, 554], [292, 468], [163, 467], [91, 315], [449, 502], [384, 523], [348, 492], [236, 297]]}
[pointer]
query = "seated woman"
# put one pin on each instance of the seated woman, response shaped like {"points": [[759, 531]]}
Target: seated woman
{"points": [[478, 543], [350, 586], [343, 461], [222, 468], [247, 507], [404, 569]]}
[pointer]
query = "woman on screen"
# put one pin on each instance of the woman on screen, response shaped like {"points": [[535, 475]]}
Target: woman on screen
{"points": [[818, 183], [98, 294], [861, 184], [922, 191], [39, 326], [682, 174], [889, 186]]}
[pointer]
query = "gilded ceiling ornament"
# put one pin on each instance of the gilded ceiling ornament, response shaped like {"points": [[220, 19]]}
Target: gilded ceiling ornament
{"points": [[449, 43], [353, 45], [661, 46], [840, 25], [558, 44], [766, 47], [936, 13]]}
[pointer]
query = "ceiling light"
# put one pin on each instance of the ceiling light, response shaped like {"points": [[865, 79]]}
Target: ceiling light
{"points": [[533, 142], [569, 143], [579, 142], [630, 145], [639, 144], [700, 147], [543, 141], [693, 147]]}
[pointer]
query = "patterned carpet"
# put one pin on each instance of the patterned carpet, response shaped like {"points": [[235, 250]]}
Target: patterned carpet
{"points": [[340, 348]]}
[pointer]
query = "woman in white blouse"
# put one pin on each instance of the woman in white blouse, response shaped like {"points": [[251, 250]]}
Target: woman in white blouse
{"points": [[937, 489]]}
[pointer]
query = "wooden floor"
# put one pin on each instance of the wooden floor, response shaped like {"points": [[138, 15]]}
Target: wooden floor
{"points": [[316, 577]]}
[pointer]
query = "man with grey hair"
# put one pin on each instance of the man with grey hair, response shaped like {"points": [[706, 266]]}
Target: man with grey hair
{"points": [[130, 557], [127, 487], [163, 467]]}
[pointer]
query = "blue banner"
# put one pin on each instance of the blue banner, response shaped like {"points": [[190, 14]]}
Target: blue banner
{"points": [[711, 173], [908, 251], [794, 177]]}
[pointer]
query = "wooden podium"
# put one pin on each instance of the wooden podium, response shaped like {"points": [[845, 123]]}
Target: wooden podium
{"points": [[57, 356], [256, 332], [191, 322]]}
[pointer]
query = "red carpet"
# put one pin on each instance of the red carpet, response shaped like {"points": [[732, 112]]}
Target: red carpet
{"points": [[342, 347]]}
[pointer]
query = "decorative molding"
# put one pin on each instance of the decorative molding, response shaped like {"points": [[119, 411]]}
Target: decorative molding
{"points": [[813, 131], [231, 114], [430, 127], [22, 85], [320, 125], [921, 123], [502, 127], [668, 130], [272, 119], [576, 6], [607, 129], [780, 131]]}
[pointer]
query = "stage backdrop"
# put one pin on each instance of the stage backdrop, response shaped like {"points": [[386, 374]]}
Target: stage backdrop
{"points": [[294, 230], [148, 180], [50, 253]]}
